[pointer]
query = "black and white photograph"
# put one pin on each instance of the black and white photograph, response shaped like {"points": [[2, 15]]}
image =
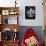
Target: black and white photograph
{"points": [[30, 12]]}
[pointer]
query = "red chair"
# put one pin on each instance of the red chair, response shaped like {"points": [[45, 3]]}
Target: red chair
{"points": [[29, 33]]}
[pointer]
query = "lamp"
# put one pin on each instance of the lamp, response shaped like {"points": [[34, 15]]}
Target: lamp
{"points": [[15, 30], [15, 3]]}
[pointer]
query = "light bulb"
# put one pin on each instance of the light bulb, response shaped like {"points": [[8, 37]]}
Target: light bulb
{"points": [[15, 30]]}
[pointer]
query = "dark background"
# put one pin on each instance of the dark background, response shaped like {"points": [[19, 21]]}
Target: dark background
{"points": [[27, 8]]}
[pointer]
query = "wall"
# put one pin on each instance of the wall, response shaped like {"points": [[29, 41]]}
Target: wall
{"points": [[22, 3], [39, 13]]}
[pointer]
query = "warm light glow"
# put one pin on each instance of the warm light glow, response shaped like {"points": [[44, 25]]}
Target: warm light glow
{"points": [[0, 17], [15, 30]]}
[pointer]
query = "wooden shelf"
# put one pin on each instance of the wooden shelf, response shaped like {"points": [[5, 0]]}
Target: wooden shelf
{"points": [[11, 26], [9, 43], [4, 12], [5, 8]]}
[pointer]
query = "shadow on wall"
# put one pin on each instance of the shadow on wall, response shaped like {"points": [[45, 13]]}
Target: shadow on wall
{"points": [[37, 29]]}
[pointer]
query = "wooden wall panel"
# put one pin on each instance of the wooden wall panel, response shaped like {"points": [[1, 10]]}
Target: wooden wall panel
{"points": [[44, 6], [45, 35]]}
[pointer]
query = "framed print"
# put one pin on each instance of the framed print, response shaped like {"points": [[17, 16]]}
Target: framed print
{"points": [[30, 12], [5, 12]]}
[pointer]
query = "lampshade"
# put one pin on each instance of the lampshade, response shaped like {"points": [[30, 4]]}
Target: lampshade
{"points": [[15, 30]]}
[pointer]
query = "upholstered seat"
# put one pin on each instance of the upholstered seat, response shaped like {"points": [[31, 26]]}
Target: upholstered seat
{"points": [[30, 35]]}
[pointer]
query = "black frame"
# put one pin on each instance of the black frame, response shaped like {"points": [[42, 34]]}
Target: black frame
{"points": [[28, 10]]}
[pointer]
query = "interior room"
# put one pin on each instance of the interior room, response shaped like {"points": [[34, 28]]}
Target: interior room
{"points": [[22, 23]]}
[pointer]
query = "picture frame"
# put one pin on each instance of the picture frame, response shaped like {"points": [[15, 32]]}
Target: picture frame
{"points": [[30, 12], [5, 12]]}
